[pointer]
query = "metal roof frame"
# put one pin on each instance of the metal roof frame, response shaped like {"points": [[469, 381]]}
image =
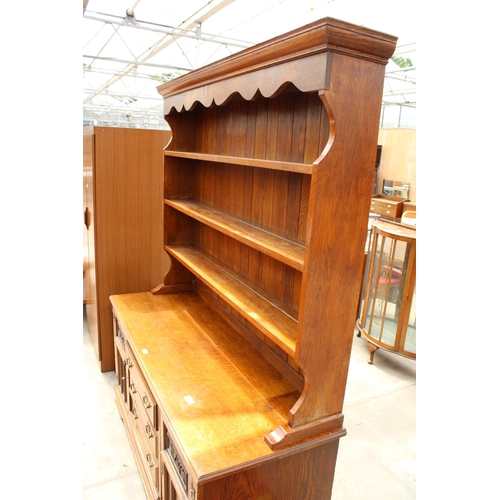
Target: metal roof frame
{"points": [[125, 58]]}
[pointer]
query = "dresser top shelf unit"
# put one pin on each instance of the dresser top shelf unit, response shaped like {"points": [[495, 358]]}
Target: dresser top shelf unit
{"points": [[267, 188]]}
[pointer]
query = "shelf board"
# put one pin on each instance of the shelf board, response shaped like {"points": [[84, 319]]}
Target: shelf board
{"points": [[301, 168], [281, 249], [264, 315]]}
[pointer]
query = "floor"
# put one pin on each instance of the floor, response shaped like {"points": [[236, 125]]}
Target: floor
{"points": [[376, 460]]}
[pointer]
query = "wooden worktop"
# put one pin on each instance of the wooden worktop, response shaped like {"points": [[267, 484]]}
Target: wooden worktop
{"points": [[195, 363]]}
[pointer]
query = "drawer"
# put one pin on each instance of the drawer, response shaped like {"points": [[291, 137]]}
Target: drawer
{"points": [[139, 390], [383, 205], [120, 340], [148, 462], [121, 372], [385, 210], [120, 359], [147, 434], [388, 212]]}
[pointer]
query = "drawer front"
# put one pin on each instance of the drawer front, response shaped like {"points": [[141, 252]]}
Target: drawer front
{"points": [[152, 468], [121, 371], [388, 213], [140, 392], [384, 209], [147, 434], [383, 205], [120, 340], [120, 359], [149, 462]]}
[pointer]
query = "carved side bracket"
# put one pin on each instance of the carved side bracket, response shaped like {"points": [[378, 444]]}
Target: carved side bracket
{"points": [[176, 279], [286, 436]]}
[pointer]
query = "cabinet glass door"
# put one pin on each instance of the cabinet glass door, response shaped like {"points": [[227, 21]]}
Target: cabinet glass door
{"points": [[388, 313]]}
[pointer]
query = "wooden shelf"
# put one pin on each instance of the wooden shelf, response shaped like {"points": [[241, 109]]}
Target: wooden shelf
{"points": [[284, 250], [301, 168], [265, 316]]}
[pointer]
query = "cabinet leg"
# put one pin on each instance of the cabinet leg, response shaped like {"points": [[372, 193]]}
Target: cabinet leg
{"points": [[372, 348]]}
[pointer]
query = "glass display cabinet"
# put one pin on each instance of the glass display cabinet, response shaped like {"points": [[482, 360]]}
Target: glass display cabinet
{"points": [[387, 316]]}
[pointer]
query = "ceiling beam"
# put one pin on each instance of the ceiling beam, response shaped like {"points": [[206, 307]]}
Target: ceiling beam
{"points": [[203, 14], [166, 30], [134, 63]]}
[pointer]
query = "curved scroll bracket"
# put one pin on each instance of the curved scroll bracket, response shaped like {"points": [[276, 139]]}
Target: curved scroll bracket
{"points": [[286, 436], [176, 279]]}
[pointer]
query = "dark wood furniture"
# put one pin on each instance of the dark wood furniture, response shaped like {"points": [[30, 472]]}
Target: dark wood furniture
{"points": [[388, 207], [231, 373], [122, 199]]}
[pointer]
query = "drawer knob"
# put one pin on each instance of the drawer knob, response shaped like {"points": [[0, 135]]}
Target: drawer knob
{"points": [[149, 460]]}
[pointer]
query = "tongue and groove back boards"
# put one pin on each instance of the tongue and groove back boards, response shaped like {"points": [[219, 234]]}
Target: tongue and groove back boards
{"points": [[281, 136]]}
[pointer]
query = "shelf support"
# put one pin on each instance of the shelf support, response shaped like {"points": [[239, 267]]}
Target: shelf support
{"points": [[176, 279], [284, 436]]}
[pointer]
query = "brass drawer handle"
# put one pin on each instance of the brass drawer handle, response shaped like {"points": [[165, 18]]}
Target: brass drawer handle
{"points": [[149, 432], [149, 460], [134, 413], [133, 390], [120, 336], [145, 402]]}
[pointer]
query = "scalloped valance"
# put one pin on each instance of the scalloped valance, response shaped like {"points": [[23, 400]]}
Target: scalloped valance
{"points": [[292, 54]]}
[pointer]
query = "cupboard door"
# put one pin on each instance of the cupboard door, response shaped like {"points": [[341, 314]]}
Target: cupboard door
{"points": [[168, 489]]}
